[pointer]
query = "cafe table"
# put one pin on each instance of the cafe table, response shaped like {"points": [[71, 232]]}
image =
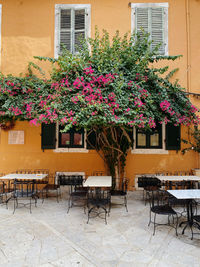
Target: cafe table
{"points": [[24, 176], [98, 181], [189, 195], [178, 178], [97, 198]]}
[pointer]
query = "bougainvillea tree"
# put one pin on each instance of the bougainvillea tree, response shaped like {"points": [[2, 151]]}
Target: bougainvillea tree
{"points": [[107, 88]]}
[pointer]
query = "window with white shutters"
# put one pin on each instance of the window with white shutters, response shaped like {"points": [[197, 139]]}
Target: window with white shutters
{"points": [[72, 24], [153, 19]]}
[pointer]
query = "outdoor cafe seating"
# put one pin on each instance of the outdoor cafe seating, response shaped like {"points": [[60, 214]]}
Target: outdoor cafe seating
{"points": [[119, 189], [167, 194], [24, 193], [98, 203], [98, 194]]}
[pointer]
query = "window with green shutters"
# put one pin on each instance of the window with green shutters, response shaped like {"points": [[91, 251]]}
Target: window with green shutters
{"points": [[153, 19], [72, 23]]}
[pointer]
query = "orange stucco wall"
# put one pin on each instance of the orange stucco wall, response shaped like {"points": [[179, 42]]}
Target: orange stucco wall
{"points": [[27, 30]]}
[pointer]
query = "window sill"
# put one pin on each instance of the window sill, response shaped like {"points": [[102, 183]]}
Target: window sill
{"points": [[149, 151], [70, 150]]}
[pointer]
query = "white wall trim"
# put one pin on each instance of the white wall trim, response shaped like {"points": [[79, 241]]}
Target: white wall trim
{"points": [[149, 151], [58, 7], [70, 150], [164, 4]]}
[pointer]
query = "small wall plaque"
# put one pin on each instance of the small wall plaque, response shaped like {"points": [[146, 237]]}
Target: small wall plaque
{"points": [[16, 137]]}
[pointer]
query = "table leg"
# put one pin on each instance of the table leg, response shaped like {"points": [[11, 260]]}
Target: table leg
{"points": [[189, 221]]}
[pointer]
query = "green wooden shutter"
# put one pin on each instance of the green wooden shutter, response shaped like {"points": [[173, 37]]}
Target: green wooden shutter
{"points": [[91, 140], [173, 137], [66, 29], [157, 28], [48, 136], [79, 27]]}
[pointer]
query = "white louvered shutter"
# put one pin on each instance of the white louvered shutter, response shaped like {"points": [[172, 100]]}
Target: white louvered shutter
{"points": [[157, 29], [142, 20], [66, 29], [79, 27], [151, 20]]}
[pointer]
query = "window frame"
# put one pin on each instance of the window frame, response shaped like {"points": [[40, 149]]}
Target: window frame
{"points": [[152, 5], [71, 133], [151, 150], [58, 8], [147, 137]]}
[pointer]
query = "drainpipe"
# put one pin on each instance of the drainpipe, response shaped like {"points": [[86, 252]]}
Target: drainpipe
{"points": [[188, 56]]}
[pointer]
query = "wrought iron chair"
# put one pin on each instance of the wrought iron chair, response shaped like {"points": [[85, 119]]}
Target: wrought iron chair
{"points": [[6, 189], [196, 223], [149, 184], [53, 185], [98, 203], [119, 188], [41, 184], [24, 190], [98, 173], [77, 192], [23, 171], [159, 205], [3, 194]]}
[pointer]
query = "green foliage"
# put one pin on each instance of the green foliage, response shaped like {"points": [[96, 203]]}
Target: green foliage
{"points": [[108, 86]]}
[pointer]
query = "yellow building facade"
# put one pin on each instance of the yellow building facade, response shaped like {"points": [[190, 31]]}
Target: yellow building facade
{"points": [[28, 28]]}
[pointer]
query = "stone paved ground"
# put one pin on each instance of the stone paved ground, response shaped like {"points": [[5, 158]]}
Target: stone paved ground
{"points": [[51, 237]]}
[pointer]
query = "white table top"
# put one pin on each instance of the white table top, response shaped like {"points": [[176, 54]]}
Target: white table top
{"points": [[24, 176], [178, 178], [98, 181], [185, 194]]}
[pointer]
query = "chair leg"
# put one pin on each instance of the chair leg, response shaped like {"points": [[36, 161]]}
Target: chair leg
{"points": [[69, 204], [154, 224], [35, 201], [42, 197], [176, 224], [89, 211], [57, 195], [149, 218], [14, 206], [6, 201], [105, 214], [125, 202], [30, 205]]}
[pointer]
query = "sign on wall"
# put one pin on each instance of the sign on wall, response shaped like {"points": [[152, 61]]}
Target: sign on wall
{"points": [[16, 137]]}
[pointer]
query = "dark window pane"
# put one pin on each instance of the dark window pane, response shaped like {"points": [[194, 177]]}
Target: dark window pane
{"points": [[78, 139], [65, 139]]}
